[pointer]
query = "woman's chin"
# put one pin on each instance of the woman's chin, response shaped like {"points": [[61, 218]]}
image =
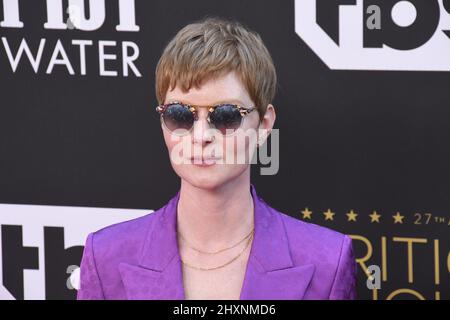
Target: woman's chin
{"points": [[209, 182], [206, 183]]}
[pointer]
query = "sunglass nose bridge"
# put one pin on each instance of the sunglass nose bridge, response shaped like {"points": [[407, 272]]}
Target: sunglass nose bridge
{"points": [[194, 112]]}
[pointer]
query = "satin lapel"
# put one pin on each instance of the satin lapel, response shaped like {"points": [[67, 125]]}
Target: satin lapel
{"points": [[145, 284], [158, 276], [284, 284], [271, 273]]}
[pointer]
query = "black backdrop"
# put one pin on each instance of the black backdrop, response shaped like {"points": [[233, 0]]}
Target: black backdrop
{"points": [[349, 139]]}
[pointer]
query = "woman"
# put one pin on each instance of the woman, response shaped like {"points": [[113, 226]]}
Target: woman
{"points": [[216, 238]]}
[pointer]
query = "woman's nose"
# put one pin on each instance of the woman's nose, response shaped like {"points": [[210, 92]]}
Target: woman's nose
{"points": [[202, 131]]}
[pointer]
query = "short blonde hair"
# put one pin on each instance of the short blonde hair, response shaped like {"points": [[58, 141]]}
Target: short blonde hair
{"points": [[213, 47]]}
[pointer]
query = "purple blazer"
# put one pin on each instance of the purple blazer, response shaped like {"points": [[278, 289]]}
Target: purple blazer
{"points": [[289, 259]]}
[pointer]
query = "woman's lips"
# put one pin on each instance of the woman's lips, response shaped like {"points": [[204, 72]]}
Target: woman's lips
{"points": [[203, 162]]}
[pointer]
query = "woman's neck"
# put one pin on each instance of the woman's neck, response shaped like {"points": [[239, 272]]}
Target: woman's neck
{"points": [[211, 219]]}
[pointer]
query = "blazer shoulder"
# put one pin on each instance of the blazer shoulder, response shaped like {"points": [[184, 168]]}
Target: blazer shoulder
{"points": [[123, 239], [311, 229], [313, 243]]}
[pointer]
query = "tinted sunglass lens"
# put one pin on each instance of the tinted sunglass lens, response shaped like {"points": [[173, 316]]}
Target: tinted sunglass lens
{"points": [[226, 118], [178, 116]]}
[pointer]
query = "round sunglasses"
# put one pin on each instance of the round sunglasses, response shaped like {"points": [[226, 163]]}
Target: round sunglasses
{"points": [[226, 117]]}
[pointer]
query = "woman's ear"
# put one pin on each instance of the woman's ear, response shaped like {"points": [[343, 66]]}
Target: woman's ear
{"points": [[266, 124]]}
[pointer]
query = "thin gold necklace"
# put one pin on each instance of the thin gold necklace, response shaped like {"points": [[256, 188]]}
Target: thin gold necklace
{"points": [[215, 252], [223, 265]]}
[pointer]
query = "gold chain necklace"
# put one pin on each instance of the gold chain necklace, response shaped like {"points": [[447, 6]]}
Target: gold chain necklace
{"points": [[223, 265], [215, 252]]}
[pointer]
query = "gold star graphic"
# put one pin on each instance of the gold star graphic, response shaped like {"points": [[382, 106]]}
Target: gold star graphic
{"points": [[329, 215], [398, 218], [306, 213], [351, 216], [374, 217]]}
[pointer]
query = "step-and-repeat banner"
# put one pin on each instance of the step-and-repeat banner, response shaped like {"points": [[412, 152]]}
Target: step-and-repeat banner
{"points": [[362, 111]]}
